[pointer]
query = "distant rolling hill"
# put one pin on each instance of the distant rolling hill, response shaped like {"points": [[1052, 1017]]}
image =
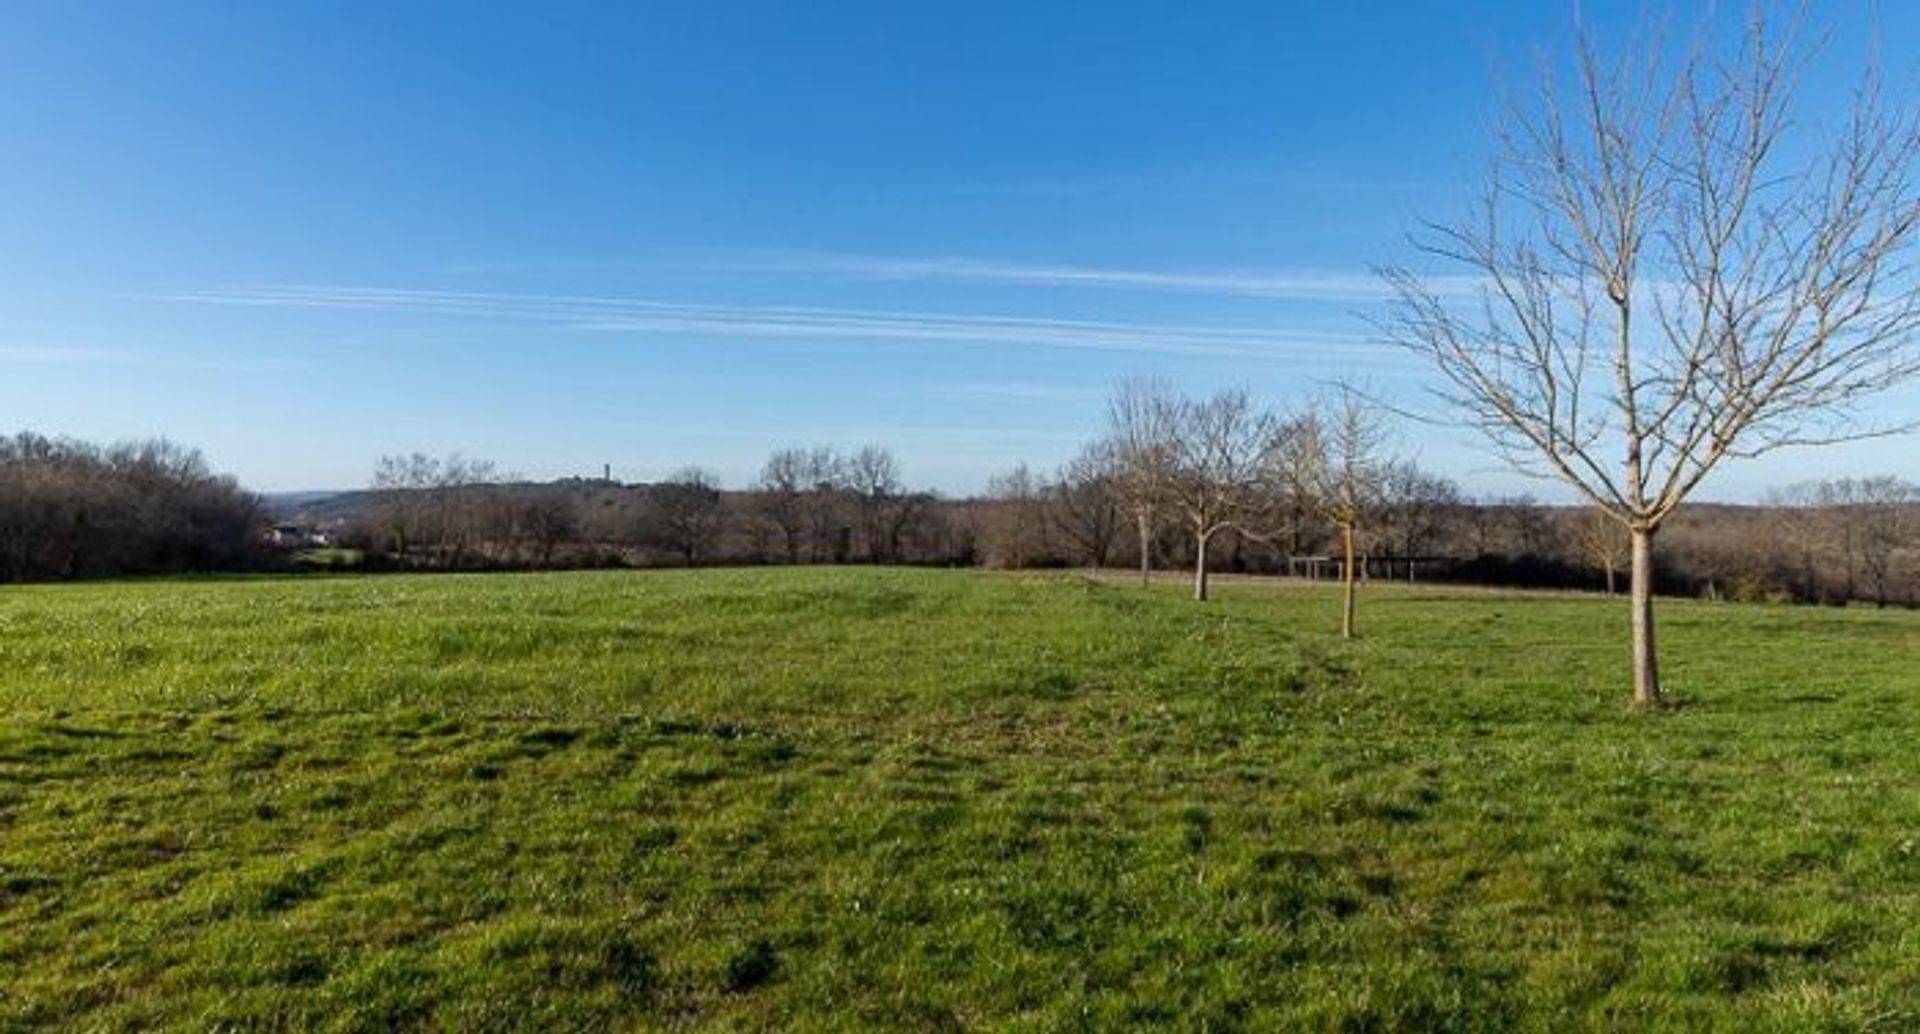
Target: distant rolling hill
{"points": [[317, 506]]}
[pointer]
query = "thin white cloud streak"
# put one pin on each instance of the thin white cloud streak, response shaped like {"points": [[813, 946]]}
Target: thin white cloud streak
{"points": [[1298, 285], [773, 322]]}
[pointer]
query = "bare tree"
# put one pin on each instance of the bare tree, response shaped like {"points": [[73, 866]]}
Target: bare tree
{"points": [[1414, 508], [1528, 524], [1837, 500], [1482, 524], [1294, 461], [1219, 470], [1661, 290], [1603, 543], [1086, 503], [399, 510], [804, 495], [885, 508], [1876, 512], [433, 510], [1799, 529], [829, 535], [1016, 531], [785, 483], [685, 513], [548, 520], [1140, 417], [1341, 440]]}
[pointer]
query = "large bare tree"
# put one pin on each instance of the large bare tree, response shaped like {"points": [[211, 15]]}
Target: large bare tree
{"points": [[1670, 277]]}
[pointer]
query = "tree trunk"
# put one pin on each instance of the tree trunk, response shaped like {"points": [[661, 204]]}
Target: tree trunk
{"points": [[1146, 551], [1646, 662], [1200, 566], [1347, 582], [1610, 589]]}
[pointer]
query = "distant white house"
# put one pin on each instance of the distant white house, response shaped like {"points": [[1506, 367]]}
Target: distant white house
{"points": [[300, 536], [289, 536]]}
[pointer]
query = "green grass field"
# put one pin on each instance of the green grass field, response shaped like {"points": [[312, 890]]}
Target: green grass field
{"points": [[862, 799]]}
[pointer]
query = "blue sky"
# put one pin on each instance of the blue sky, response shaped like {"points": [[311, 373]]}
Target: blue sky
{"points": [[302, 236]]}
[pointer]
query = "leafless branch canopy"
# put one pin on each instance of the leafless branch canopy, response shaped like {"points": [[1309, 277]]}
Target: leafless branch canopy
{"points": [[1333, 455], [1142, 418], [1669, 280], [1220, 474]]}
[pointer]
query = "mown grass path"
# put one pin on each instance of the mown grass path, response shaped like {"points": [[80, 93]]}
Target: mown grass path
{"points": [[863, 799]]}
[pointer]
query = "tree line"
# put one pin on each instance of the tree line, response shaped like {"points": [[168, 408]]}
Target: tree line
{"points": [[1190, 479], [1201, 485], [70, 509], [1254, 492], [1833, 542], [810, 505]]}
